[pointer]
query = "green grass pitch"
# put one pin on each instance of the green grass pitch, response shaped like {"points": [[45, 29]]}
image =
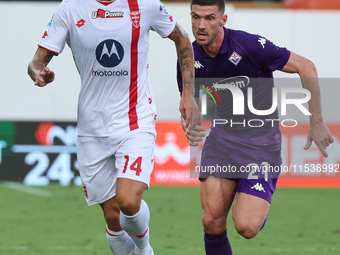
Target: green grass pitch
{"points": [[55, 220]]}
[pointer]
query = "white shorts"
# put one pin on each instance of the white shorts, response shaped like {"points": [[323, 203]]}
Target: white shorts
{"points": [[104, 159]]}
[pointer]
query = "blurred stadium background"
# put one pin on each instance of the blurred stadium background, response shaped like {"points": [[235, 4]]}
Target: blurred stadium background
{"points": [[42, 206]]}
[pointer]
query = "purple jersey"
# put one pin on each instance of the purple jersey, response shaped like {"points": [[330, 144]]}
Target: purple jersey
{"points": [[244, 61]]}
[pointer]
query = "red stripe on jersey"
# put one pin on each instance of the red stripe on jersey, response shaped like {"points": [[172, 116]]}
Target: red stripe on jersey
{"points": [[55, 53], [142, 235], [134, 8]]}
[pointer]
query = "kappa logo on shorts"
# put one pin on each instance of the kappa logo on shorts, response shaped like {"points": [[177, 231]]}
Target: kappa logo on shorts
{"points": [[258, 187]]}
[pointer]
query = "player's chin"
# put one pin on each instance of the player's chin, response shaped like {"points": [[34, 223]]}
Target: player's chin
{"points": [[201, 41]]}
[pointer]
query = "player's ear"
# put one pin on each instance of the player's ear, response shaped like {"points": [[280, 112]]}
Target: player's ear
{"points": [[224, 19]]}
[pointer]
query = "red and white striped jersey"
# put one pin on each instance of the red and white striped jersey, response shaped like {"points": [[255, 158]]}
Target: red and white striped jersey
{"points": [[110, 45]]}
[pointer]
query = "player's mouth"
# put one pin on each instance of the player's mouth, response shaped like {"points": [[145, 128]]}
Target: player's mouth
{"points": [[201, 36]]}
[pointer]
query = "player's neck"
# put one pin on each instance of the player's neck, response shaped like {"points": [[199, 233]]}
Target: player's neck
{"points": [[213, 48]]}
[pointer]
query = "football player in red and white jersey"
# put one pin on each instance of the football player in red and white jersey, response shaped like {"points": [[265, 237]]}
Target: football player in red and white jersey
{"points": [[116, 108]]}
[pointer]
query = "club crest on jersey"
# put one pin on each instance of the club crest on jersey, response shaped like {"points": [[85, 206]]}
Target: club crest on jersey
{"points": [[135, 17], [106, 14], [235, 58]]}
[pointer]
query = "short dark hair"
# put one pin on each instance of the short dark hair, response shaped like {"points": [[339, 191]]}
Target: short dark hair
{"points": [[219, 3]]}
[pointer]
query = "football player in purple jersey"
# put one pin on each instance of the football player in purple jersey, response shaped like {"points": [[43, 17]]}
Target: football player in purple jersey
{"points": [[245, 61]]}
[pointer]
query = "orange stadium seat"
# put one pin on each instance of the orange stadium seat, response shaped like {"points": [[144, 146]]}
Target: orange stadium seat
{"points": [[312, 4]]}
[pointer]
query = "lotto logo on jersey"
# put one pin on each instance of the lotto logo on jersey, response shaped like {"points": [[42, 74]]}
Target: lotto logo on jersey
{"points": [[106, 14], [109, 53]]}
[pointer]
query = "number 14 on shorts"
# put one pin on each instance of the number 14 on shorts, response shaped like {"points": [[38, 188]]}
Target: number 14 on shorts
{"points": [[135, 166]]}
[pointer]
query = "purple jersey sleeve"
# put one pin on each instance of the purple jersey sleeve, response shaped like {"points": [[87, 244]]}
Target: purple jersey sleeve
{"points": [[264, 53]]}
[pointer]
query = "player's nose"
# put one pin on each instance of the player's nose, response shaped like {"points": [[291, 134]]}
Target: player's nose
{"points": [[201, 24]]}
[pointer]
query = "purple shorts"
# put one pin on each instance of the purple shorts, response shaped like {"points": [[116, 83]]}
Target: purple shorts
{"points": [[255, 171]]}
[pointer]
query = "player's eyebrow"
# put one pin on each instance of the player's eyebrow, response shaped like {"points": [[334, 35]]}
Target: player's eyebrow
{"points": [[205, 16]]}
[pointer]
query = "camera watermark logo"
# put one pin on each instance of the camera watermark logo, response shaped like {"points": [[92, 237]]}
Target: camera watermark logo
{"points": [[243, 101]]}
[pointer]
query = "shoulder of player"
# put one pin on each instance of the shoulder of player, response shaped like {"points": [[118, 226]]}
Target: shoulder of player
{"points": [[197, 50], [69, 1], [151, 4], [247, 40], [69, 4], [67, 8], [195, 46]]}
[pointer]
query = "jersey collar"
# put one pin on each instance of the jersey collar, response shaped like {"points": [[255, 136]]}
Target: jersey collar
{"points": [[224, 46], [106, 3]]}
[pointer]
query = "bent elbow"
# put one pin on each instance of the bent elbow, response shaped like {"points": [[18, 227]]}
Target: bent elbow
{"points": [[308, 69]]}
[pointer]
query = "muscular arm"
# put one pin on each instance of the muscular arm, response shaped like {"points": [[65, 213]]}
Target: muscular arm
{"points": [[188, 106], [309, 79], [185, 57], [37, 68], [318, 132]]}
